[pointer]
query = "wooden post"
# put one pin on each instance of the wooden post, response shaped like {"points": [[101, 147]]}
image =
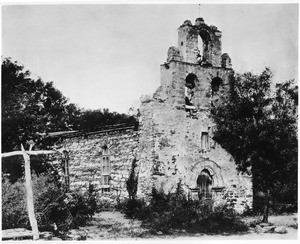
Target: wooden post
{"points": [[28, 183], [30, 203]]}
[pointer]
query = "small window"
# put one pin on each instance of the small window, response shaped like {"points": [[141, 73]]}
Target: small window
{"points": [[190, 83], [204, 141], [215, 84], [190, 80], [181, 43]]}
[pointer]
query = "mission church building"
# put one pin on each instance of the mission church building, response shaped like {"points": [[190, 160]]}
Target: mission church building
{"points": [[173, 141]]}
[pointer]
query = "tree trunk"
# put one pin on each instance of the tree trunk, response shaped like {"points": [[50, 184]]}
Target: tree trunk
{"points": [[266, 207]]}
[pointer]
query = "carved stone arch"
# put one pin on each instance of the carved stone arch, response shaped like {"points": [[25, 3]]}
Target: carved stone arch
{"points": [[209, 169], [211, 51], [212, 167], [205, 35]]}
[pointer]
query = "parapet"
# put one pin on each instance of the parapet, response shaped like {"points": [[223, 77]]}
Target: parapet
{"points": [[226, 61], [189, 39]]}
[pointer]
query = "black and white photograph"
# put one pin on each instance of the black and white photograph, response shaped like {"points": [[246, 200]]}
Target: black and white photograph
{"points": [[140, 121]]}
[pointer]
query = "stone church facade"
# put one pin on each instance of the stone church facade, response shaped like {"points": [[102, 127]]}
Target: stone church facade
{"points": [[173, 142]]}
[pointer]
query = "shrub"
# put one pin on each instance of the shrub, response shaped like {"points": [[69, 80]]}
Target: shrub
{"points": [[106, 205], [81, 206], [221, 219], [134, 208], [132, 181], [14, 213], [166, 212], [48, 202], [53, 206]]}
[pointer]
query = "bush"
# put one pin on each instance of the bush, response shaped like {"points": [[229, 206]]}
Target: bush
{"points": [[221, 219], [106, 205], [134, 208], [14, 213], [166, 212], [48, 202], [82, 206], [53, 206]]}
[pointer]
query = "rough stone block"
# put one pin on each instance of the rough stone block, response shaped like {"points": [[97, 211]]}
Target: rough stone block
{"points": [[280, 230]]}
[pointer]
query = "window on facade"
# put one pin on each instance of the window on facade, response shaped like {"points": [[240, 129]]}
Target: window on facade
{"points": [[204, 141], [213, 130], [189, 91], [215, 84], [65, 167], [189, 96], [204, 183], [105, 169]]}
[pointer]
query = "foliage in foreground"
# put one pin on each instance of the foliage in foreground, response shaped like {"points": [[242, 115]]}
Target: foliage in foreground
{"points": [[258, 127], [54, 207], [175, 211]]}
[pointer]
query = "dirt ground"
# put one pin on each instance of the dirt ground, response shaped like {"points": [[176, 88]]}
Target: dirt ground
{"points": [[114, 225]]}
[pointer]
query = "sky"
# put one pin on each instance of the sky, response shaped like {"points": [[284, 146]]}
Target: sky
{"points": [[108, 56]]}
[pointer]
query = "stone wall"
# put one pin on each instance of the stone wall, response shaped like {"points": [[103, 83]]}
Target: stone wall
{"points": [[173, 75], [171, 150], [188, 42], [86, 159], [174, 143], [171, 145]]}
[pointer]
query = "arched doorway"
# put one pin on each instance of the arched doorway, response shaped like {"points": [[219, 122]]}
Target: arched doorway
{"points": [[204, 184]]}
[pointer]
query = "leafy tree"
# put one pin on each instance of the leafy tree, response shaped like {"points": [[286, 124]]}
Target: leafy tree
{"points": [[259, 129], [91, 120], [30, 107]]}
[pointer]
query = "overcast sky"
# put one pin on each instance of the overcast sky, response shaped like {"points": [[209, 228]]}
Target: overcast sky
{"points": [[107, 56]]}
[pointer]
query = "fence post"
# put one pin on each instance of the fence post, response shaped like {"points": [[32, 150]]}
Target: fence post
{"points": [[29, 191]]}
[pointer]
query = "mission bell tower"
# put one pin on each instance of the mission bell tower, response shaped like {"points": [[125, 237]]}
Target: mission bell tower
{"points": [[176, 129]]}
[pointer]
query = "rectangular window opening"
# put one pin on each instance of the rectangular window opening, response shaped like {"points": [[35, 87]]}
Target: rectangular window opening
{"points": [[105, 170], [65, 166], [204, 141]]}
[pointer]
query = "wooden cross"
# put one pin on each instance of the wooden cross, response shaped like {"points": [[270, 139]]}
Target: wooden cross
{"points": [[28, 181]]}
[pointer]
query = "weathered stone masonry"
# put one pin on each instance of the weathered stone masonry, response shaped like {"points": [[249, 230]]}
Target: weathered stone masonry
{"points": [[174, 141], [87, 156], [175, 137]]}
